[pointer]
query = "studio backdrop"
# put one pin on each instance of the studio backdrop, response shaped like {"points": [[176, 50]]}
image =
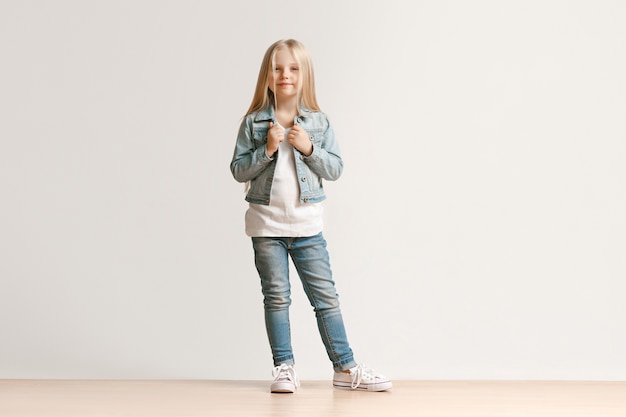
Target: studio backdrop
{"points": [[478, 230]]}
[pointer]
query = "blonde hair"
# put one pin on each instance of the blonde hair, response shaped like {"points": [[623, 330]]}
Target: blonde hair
{"points": [[263, 96]]}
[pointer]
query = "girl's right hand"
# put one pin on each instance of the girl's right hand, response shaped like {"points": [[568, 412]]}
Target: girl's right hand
{"points": [[275, 135]]}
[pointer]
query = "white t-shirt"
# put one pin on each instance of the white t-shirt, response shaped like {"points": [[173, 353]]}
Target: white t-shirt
{"points": [[285, 216]]}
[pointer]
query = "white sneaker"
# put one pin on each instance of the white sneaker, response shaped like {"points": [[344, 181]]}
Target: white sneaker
{"points": [[361, 378], [285, 379]]}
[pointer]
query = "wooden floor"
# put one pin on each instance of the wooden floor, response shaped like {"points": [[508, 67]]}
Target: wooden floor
{"points": [[80, 398]]}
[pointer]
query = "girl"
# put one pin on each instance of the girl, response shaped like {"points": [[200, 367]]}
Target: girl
{"points": [[285, 148]]}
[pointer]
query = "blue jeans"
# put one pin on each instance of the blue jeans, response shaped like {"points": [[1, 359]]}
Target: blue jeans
{"points": [[310, 257]]}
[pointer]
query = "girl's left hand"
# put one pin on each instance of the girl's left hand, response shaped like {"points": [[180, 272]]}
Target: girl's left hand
{"points": [[300, 140]]}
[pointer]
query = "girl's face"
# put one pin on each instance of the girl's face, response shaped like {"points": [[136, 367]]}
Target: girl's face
{"points": [[285, 76]]}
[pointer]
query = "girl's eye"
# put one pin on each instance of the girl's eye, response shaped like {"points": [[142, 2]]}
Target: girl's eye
{"points": [[294, 68]]}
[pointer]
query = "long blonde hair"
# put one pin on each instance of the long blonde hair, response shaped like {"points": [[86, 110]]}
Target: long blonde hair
{"points": [[263, 96]]}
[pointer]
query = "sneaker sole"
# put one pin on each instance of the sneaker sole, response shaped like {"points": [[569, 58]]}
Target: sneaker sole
{"points": [[382, 386], [283, 388]]}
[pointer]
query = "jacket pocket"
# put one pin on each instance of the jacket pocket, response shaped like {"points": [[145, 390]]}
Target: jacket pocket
{"points": [[259, 137]]}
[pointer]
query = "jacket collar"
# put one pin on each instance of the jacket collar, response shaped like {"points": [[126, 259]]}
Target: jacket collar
{"points": [[268, 113]]}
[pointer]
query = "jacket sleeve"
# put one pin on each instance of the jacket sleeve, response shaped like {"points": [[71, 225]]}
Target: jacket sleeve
{"points": [[326, 160], [248, 162]]}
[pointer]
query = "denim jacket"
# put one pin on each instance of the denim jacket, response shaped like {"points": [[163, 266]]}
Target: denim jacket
{"points": [[251, 163]]}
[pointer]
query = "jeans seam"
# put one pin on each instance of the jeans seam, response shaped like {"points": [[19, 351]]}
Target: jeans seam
{"points": [[335, 358]]}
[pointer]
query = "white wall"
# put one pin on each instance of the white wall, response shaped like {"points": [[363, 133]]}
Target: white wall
{"points": [[479, 230]]}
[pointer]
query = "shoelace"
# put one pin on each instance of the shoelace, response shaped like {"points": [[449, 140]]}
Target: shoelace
{"points": [[287, 372], [361, 373]]}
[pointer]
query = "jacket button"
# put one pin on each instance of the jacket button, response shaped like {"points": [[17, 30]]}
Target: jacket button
{"points": [[306, 199], [303, 179]]}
